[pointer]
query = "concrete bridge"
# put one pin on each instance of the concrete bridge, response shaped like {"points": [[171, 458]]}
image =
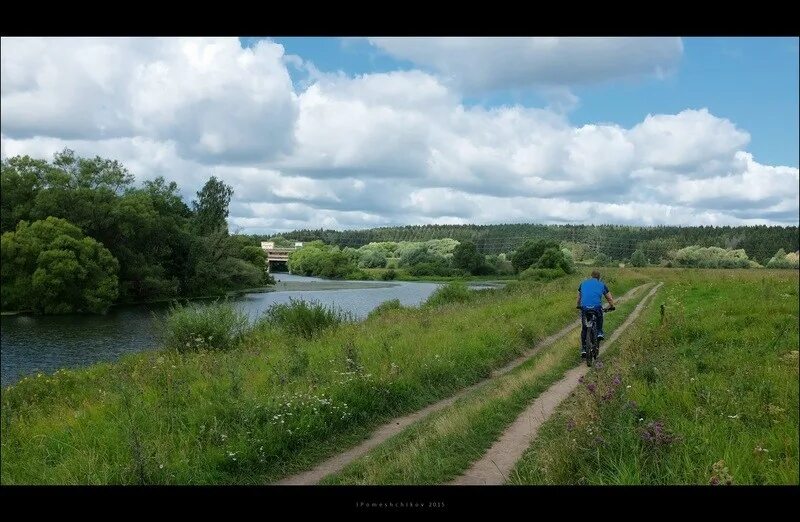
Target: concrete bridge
{"points": [[278, 255]]}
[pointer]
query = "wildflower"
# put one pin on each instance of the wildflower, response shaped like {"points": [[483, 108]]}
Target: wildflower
{"points": [[628, 387], [160, 466], [633, 405], [720, 475], [571, 425], [598, 364], [617, 380], [581, 379], [591, 387], [733, 416], [656, 434]]}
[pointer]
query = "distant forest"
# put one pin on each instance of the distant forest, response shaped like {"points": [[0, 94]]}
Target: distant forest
{"points": [[614, 241]]}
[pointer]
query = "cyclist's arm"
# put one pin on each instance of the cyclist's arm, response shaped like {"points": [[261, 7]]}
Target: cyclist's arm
{"points": [[610, 298]]}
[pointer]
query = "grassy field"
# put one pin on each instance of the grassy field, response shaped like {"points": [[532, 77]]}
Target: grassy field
{"points": [[276, 404], [441, 447], [708, 397]]}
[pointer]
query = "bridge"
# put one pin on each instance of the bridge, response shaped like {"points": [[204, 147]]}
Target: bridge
{"points": [[278, 255]]}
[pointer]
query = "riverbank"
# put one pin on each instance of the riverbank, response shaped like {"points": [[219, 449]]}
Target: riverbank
{"points": [[44, 343], [165, 300], [275, 405]]}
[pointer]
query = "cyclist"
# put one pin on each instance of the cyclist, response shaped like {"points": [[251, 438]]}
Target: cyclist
{"points": [[590, 297]]}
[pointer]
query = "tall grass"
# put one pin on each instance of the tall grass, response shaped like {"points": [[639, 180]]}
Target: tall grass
{"points": [[706, 395], [442, 446], [304, 318], [192, 327], [384, 307], [452, 292], [276, 404]]}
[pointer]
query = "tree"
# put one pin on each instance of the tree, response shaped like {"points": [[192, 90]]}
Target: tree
{"points": [[21, 178], [601, 260], [555, 258], [782, 260], [530, 252], [211, 207], [638, 259], [372, 259], [51, 267], [466, 257]]}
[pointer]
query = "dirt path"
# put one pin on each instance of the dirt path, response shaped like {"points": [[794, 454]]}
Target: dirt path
{"points": [[395, 426], [496, 464]]}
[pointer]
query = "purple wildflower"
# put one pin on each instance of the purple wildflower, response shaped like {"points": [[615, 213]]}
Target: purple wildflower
{"points": [[617, 380], [581, 379], [591, 387], [571, 425], [598, 364], [599, 440], [655, 433]]}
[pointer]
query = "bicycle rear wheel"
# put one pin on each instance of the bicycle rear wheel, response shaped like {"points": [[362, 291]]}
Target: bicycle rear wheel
{"points": [[591, 349]]}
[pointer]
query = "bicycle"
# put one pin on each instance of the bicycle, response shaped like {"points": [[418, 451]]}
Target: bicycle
{"points": [[591, 344]]}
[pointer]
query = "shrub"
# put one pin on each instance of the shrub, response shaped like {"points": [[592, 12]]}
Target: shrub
{"points": [[453, 292], [485, 269], [530, 252], [437, 267], [711, 257], [305, 319], [358, 275], [372, 259], [385, 306], [217, 326], [389, 275], [555, 258], [601, 260], [638, 259], [466, 257], [542, 274], [783, 260]]}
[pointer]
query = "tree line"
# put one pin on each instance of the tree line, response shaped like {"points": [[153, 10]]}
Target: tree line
{"points": [[79, 235], [617, 242]]}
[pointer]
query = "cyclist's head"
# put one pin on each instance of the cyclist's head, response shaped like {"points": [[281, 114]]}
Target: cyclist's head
{"points": [[596, 274]]}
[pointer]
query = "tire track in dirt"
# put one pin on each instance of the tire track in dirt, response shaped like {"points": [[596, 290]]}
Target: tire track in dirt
{"points": [[337, 462], [496, 464]]}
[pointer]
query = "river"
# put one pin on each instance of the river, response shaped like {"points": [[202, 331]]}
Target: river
{"points": [[31, 344]]}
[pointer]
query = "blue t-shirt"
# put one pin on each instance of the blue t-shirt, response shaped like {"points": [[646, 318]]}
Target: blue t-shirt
{"points": [[592, 291]]}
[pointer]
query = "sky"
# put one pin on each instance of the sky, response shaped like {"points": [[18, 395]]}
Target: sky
{"points": [[350, 133]]}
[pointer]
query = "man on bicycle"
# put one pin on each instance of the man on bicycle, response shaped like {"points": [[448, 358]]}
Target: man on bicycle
{"points": [[590, 297]]}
